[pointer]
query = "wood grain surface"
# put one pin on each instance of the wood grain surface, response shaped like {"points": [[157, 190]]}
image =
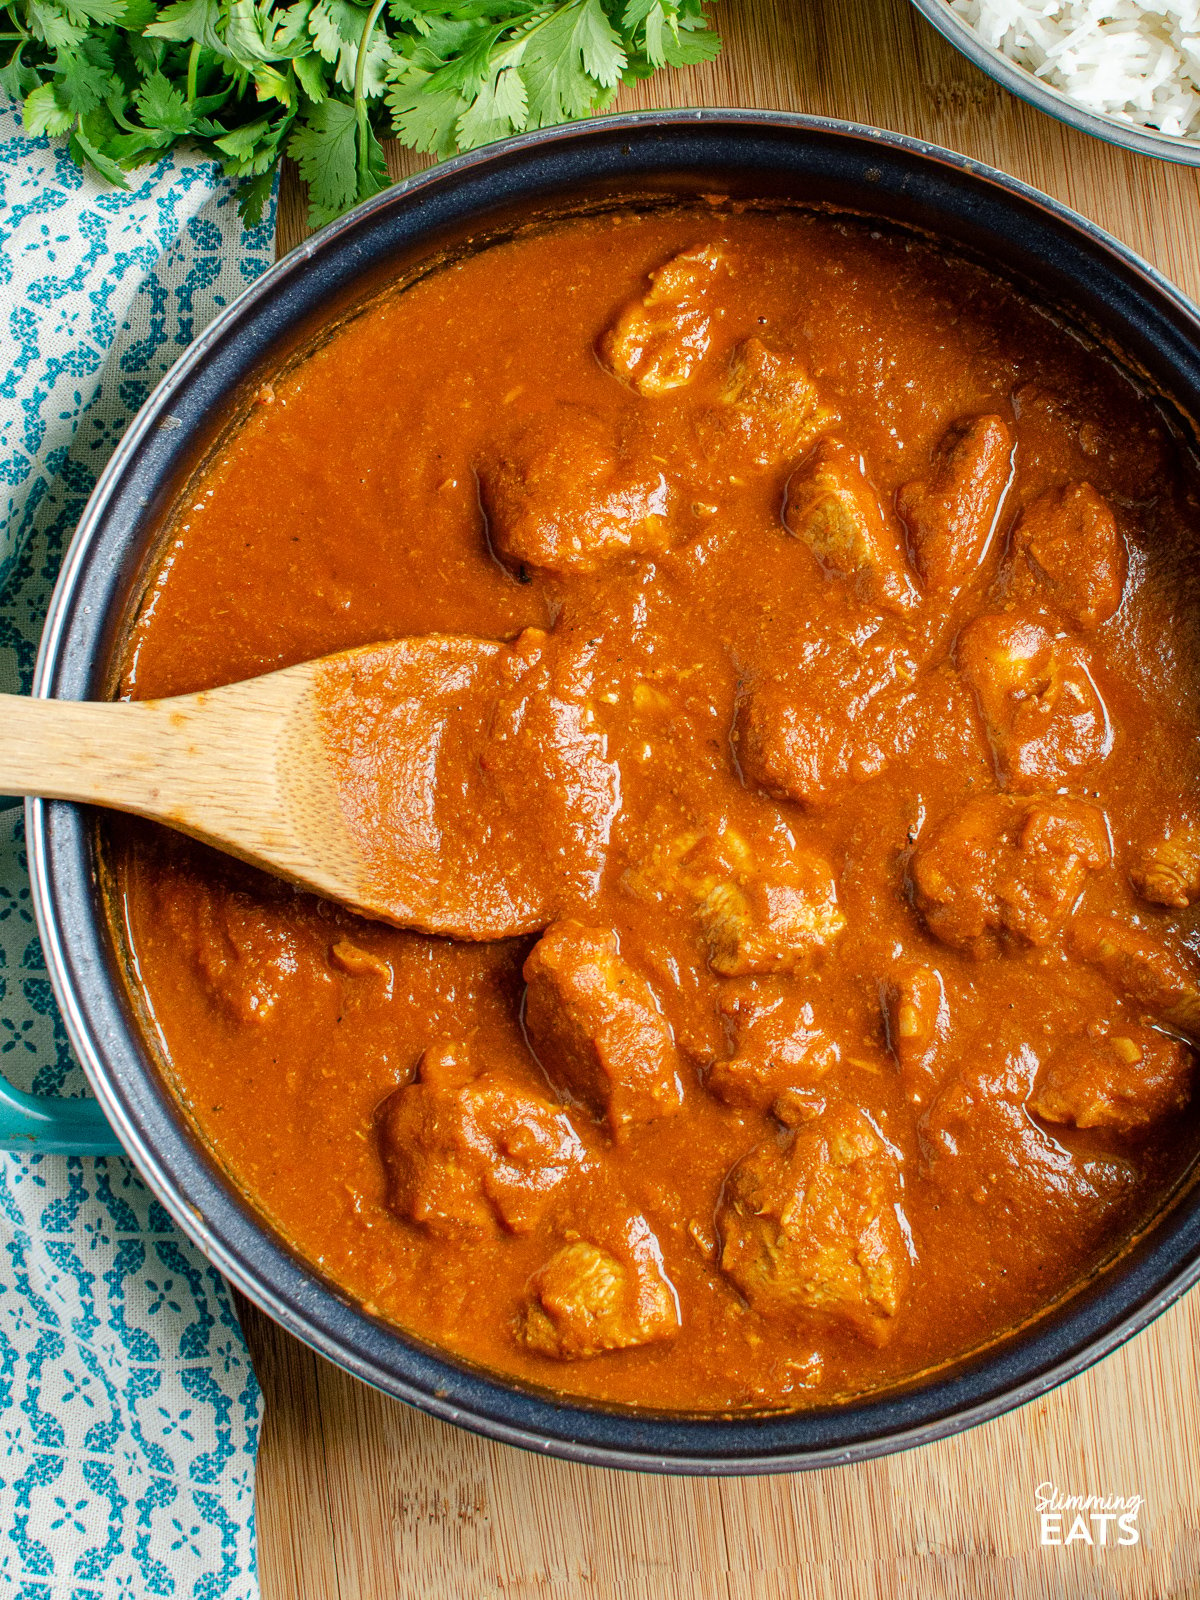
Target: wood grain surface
{"points": [[360, 1498]]}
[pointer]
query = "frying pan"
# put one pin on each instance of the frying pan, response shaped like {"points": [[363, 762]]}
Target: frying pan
{"points": [[1069, 264]]}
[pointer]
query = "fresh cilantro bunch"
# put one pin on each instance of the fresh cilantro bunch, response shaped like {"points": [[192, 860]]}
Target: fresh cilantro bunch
{"points": [[325, 80]]}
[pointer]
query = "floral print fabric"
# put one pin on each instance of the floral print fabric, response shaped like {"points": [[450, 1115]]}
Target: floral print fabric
{"points": [[129, 1411]]}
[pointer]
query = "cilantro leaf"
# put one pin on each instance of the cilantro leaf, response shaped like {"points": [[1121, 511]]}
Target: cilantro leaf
{"points": [[188, 21], [84, 76], [291, 26], [426, 110], [691, 49], [84, 11], [498, 109], [598, 45], [131, 150], [334, 24], [246, 35], [146, 56], [83, 150], [271, 84], [310, 76], [161, 105], [560, 88], [253, 195], [373, 175], [44, 111], [252, 148], [325, 147], [337, 27], [49, 23], [16, 79]]}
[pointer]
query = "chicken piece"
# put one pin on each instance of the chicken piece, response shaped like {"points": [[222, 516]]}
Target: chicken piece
{"points": [[1167, 870], [1044, 714], [1126, 1079], [657, 342], [951, 514], [1140, 964], [1007, 870], [771, 913], [764, 905], [770, 414], [562, 495], [246, 960], [587, 1300], [777, 1046], [792, 743], [468, 1154], [794, 1107], [832, 508], [917, 1021], [1042, 1202], [789, 745], [1067, 544], [813, 1225], [597, 1028]]}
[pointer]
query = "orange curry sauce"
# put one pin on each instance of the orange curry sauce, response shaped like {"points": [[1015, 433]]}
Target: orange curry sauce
{"points": [[849, 614]]}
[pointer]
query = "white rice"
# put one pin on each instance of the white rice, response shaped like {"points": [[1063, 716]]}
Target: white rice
{"points": [[1135, 60]]}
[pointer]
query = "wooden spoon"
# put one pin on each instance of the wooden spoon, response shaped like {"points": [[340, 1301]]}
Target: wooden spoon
{"points": [[364, 777]]}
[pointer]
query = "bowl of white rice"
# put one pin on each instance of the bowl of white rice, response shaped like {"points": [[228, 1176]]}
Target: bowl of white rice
{"points": [[1125, 70]]}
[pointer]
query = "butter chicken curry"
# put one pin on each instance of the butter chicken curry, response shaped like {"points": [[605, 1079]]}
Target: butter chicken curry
{"points": [[821, 654]]}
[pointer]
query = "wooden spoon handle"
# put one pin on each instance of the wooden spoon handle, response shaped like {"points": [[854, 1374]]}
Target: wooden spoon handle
{"points": [[199, 762], [241, 767], [110, 754]]}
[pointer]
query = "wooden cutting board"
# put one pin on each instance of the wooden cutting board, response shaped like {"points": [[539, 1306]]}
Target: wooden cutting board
{"points": [[360, 1498]]}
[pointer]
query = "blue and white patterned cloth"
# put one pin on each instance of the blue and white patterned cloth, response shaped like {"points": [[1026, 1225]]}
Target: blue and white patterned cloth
{"points": [[129, 1411]]}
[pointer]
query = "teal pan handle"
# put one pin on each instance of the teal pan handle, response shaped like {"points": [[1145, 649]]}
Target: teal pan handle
{"points": [[45, 1124]]}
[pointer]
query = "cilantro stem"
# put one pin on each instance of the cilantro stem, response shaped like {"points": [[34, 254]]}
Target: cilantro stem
{"points": [[193, 67], [360, 101]]}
